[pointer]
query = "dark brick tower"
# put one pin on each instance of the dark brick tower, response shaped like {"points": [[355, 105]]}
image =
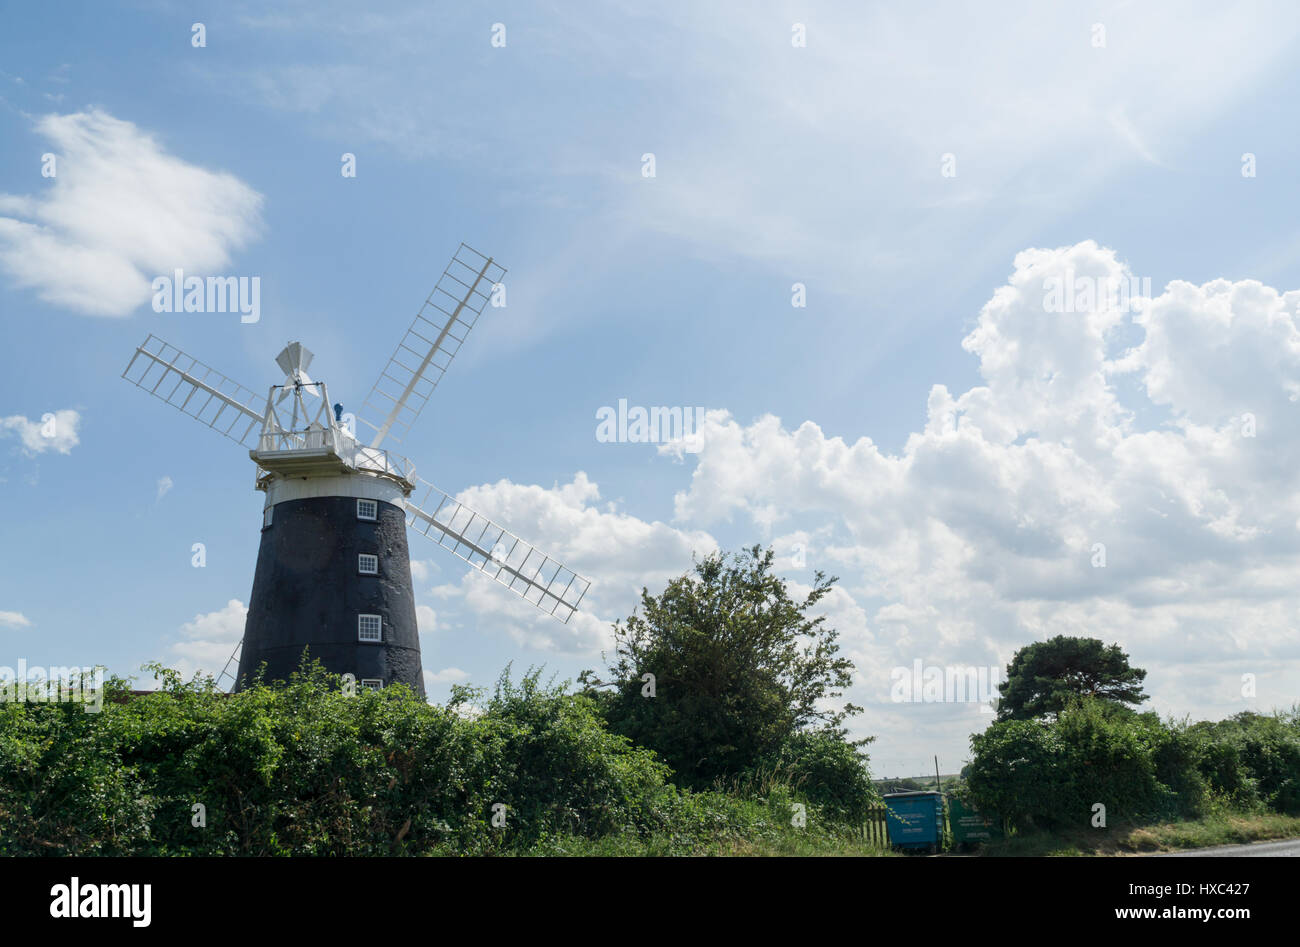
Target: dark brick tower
{"points": [[333, 576]]}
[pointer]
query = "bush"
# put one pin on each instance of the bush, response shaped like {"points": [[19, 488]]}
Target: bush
{"points": [[825, 770], [1251, 760], [303, 768], [556, 767], [1051, 774], [1016, 771]]}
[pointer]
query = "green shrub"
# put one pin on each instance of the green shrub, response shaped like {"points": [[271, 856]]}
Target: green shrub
{"points": [[304, 768], [556, 767], [1052, 774], [1016, 771], [825, 770], [1252, 760]]}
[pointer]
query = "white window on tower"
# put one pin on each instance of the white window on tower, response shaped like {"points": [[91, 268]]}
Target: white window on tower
{"points": [[374, 683], [367, 509], [266, 517], [367, 565], [370, 628]]}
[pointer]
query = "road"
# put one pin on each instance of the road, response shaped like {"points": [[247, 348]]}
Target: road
{"points": [[1283, 849]]}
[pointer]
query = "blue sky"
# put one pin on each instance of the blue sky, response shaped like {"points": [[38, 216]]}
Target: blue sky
{"points": [[962, 528]]}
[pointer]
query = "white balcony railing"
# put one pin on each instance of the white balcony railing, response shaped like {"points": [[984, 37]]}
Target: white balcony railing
{"points": [[317, 435]]}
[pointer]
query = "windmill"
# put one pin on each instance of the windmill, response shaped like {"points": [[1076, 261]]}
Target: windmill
{"points": [[333, 569]]}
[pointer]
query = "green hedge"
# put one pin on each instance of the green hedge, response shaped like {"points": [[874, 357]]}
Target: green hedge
{"points": [[1051, 773], [1252, 760], [305, 769]]}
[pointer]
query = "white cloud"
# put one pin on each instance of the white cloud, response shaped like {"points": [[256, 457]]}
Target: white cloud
{"points": [[1035, 114], [55, 430], [164, 485], [620, 553], [14, 620], [426, 619], [445, 676], [423, 571], [979, 535], [119, 212], [1067, 116], [210, 639], [1189, 332]]}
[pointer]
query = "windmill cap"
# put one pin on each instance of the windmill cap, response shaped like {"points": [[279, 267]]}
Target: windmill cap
{"points": [[295, 357]]}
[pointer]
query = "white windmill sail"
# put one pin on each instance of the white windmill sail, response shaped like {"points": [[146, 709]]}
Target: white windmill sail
{"points": [[430, 344], [498, 553], [233, 661], [203, 393]]}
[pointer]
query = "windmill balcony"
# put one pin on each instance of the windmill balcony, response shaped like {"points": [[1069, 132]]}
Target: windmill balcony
{"points": [[318, 450], [314, 449], [312, 444], [319, 447]]}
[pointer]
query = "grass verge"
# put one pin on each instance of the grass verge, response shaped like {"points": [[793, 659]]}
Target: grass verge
{"points": [[812, 845], [1234, 828], [722, 825]]}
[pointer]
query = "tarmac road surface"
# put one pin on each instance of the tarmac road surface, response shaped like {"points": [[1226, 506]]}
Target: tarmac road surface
{"points": [[1282, 849]]}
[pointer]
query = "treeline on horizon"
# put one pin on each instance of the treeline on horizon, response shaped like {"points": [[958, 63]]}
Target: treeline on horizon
{"points": [[707, 732]]}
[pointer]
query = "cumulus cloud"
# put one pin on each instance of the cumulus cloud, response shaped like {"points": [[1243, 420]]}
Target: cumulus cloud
{"points": [[210, 639], [119, 212], [1189, 332], [14, 620], [1161, 441], [423, 571], [54, 431], [619, 552], [445, 676], [426, 619]]}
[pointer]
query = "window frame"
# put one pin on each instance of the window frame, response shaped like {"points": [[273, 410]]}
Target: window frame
{"points": [[360, 636], [374, 505], [371, 556]]}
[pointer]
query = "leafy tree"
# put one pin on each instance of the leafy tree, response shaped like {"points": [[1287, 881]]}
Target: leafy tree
{"points": [[1043, 677], [739, 668]]}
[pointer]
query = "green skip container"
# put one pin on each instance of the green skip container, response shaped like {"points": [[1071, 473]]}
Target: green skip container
{"points": [[915, 820], [968, 826]]}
